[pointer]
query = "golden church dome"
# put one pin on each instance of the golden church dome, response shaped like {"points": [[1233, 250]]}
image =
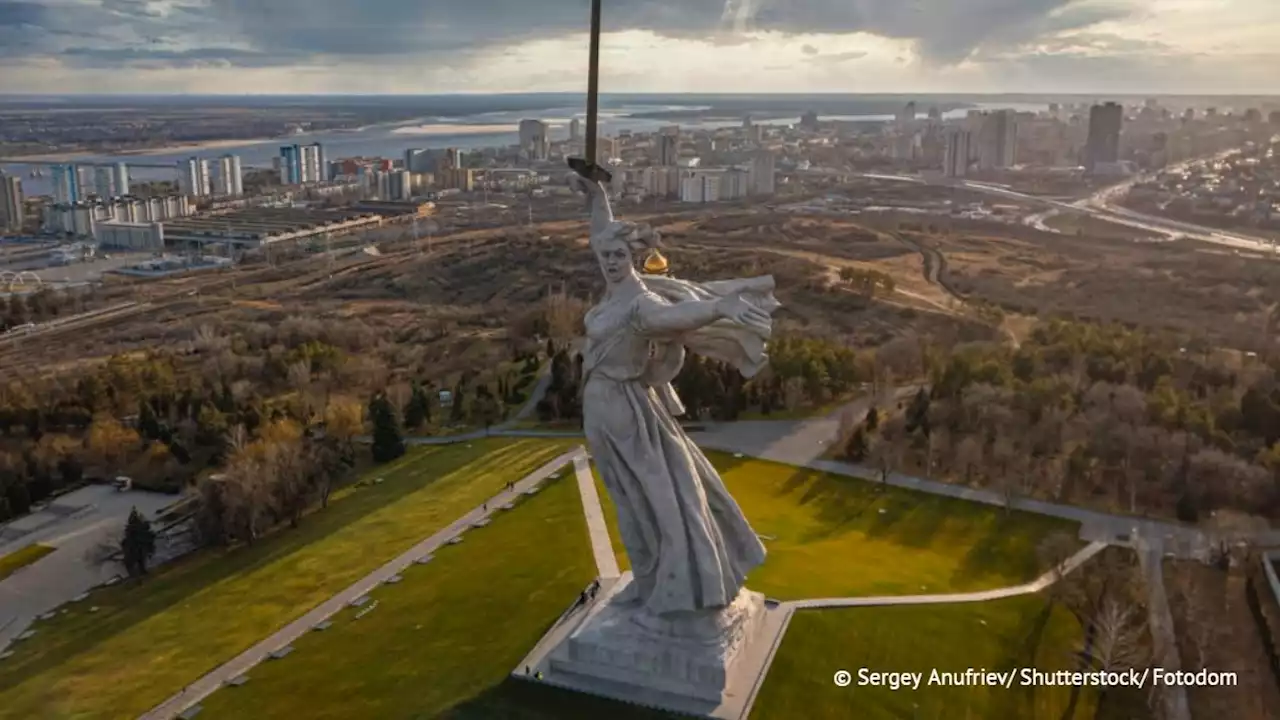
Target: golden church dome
{"points": [[655, 263]]}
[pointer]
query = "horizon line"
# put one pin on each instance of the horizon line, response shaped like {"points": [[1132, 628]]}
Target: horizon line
{"points": [[578, 93]]}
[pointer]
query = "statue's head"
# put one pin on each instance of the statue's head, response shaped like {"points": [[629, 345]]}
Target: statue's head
{"points": [[617, 246], [615, 243]]}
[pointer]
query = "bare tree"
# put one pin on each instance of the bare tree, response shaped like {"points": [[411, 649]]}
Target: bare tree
{"points": [[106, 553], [563, 315], [1117, 639]]}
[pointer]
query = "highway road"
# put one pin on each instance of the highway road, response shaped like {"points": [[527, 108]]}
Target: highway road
{"points": [[1101, 205]]}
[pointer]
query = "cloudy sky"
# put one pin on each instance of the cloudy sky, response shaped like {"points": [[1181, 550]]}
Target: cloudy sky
{"points": [[435, 46]]}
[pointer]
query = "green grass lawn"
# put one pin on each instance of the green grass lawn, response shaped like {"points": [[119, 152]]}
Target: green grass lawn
{"points": [[442, 642], [21, 558], [148, 641], [827, 537], [1017, 632]]}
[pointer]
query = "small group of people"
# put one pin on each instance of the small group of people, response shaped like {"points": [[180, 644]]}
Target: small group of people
{"points": [[589, 595]]}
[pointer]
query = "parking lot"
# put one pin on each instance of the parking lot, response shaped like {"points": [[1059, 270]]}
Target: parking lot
{"points": [[74, 524]]}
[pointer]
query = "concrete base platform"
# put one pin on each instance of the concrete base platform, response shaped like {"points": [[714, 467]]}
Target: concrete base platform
{"points": [[710, 668]]}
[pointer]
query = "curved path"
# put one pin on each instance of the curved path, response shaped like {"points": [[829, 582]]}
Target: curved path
{"points": [[1030, 588]]}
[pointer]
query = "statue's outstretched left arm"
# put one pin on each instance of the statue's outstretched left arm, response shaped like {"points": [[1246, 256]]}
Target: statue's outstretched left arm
{"points": [[660, 318]]}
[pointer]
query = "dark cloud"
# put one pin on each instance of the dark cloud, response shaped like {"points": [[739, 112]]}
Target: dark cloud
{"points": [[281, 31], [810, 50], [160, 57]]}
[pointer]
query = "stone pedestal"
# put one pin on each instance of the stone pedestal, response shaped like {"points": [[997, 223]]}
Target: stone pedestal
{"points": [[708, 663]]}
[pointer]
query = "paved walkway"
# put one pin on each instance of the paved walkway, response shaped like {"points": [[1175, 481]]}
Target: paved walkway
{"points": [[243, 662], [601, 545], [1030, 588], [1160, 620]]}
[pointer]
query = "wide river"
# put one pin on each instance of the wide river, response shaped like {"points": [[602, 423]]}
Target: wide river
{"points": [[390, 141]]}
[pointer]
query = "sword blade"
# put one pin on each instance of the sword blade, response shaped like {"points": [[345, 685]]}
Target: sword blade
{"points": [[593, 82]]}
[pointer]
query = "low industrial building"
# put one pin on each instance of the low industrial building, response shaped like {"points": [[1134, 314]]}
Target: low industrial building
{"points": [[253, 228], [130, 236]]}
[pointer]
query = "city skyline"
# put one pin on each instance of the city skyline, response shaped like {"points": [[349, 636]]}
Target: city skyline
{"points": [[389, 46]]}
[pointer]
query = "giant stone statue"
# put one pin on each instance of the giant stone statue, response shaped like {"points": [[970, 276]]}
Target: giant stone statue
{"points": [[677, 624]]}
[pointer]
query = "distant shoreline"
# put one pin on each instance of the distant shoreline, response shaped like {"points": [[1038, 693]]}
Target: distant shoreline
{"points": [[143, 152]]}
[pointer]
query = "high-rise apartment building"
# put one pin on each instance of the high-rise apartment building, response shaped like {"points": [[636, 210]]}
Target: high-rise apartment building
{"points": [[534, 142], [401, 185], [763, 173], [11, 208], [669, 145], [104, 182], [907, 114], [955, 161], [122, 179], [66, 184], [418, 160], [290, 165], [299, 165], [229, 178], [997, 140], [193, 177], [575, 130], [1103, 145], [311, 160], [700, 186]]}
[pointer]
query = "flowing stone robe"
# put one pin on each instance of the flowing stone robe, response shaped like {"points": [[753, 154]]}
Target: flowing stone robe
{"points": [[689, 544]]}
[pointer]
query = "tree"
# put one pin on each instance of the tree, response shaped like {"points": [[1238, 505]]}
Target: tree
{"points": [[388, 440], [872, 420], [1116, 640], [138, 544], [918, 413], [148, 425], [285, 461], [857, 447], [343, 422], [417, 412], [109, 441], [488, 409]]}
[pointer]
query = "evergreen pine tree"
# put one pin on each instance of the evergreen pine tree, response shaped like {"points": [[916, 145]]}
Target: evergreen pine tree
{"points": [[461, 404], [388, 440], [873, 418], [148, 424], [918, 413], [138, 544], [415, 411], [856, 448]]}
